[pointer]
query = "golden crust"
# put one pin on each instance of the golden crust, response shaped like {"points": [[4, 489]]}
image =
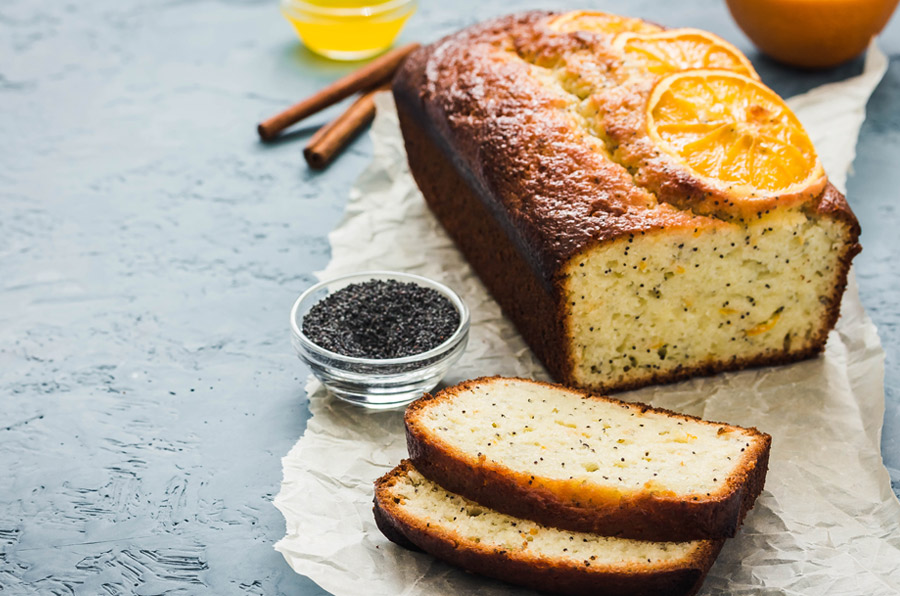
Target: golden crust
{"points": [[540, 171], [524, 569], [564, 504]]}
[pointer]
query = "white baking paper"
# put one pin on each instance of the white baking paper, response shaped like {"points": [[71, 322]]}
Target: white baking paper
{"points": [[827, 521]]}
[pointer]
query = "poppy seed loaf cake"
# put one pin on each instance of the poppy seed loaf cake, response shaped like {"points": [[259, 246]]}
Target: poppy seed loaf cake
{"points": [[416, 512], [641, 206], [571, 460]]}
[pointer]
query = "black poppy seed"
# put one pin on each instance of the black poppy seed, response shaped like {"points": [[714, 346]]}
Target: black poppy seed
{"points": [[381, 319]]}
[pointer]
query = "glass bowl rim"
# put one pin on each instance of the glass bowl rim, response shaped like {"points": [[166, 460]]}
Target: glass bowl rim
{"points": [[299, 6], [442, 349]]}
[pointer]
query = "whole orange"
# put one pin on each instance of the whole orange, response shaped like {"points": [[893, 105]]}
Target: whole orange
{"points": [[812, 33]]}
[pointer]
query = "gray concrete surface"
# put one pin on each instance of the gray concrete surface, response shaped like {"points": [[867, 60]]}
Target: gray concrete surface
{"points": [[150, 248]]}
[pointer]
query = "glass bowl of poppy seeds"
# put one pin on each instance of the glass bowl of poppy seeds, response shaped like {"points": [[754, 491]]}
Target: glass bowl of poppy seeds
{"points": [[379, 339]]}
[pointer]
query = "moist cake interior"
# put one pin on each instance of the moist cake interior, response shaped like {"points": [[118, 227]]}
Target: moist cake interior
{"points": [[656, 302]]}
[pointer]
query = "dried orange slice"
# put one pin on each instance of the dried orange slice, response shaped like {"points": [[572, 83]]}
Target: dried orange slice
{"points": [[599, 22], [734, 132], [681, 49]]}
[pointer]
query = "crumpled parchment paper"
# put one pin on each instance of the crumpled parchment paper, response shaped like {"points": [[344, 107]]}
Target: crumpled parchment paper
{"points": [[827, 522]]}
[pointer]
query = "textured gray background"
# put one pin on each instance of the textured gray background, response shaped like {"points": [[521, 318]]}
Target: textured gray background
{"points": [[150, 248]]}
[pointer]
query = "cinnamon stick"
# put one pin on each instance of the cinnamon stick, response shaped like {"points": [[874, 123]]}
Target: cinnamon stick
{"points": [[334, 136], [366, 77]]}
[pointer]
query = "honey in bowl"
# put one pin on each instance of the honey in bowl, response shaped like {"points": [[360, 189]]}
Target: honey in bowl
{"points": [[348, 29]]}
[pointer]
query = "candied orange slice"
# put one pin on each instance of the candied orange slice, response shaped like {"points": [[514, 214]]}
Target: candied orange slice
{"points": [[599, 22], [665, 52], [734, 132]]}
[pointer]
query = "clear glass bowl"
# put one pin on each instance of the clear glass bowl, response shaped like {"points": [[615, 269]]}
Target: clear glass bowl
{"points": [[348, 29], [378, 383]]}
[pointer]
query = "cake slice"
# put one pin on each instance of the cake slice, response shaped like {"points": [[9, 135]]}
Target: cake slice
{"points": [[572, 460], [416, 512]]}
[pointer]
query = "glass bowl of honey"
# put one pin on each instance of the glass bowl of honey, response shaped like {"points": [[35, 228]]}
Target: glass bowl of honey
{"points": [[348, 29]]}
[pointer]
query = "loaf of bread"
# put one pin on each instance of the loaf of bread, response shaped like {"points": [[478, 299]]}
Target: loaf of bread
{"points": [[640, 205], [418, 513], [580, 462]]}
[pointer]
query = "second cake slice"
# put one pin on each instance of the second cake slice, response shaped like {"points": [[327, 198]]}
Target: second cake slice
{"points": [[414, 512], [585, 463]]}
